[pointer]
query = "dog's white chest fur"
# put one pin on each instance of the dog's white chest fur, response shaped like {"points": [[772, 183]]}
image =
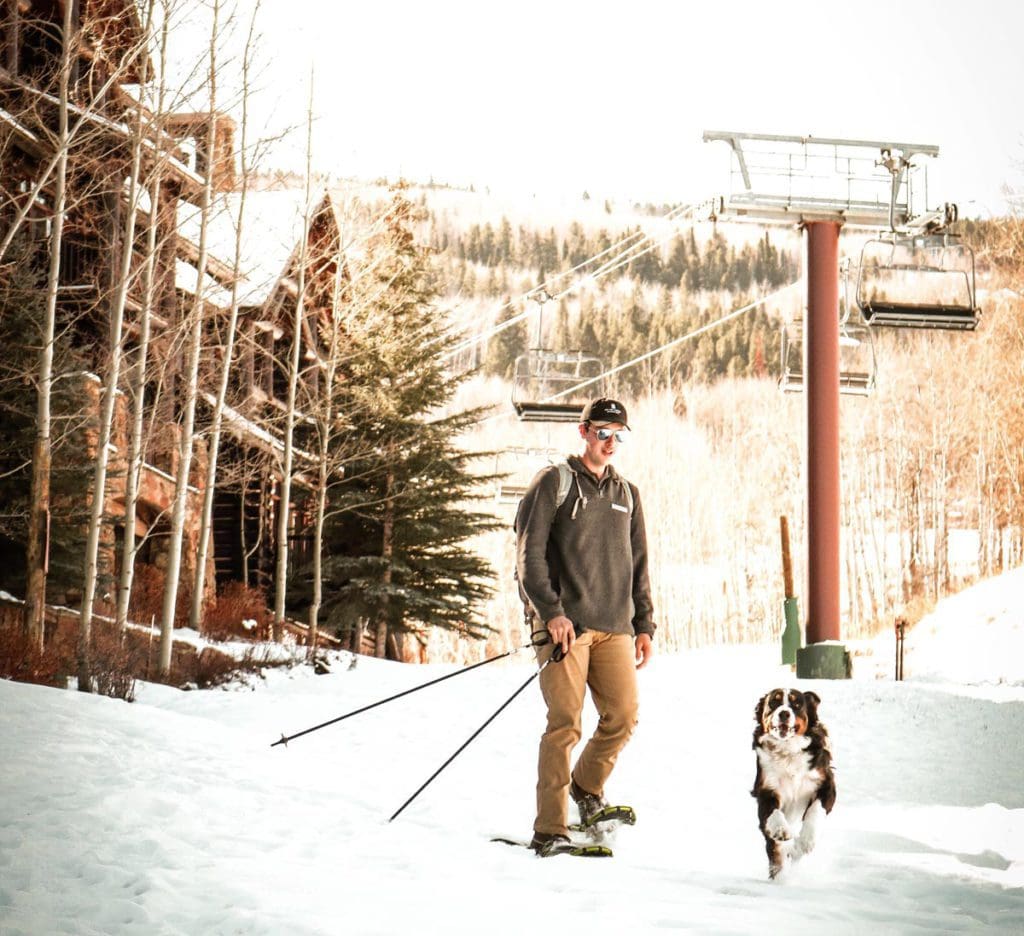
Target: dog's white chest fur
{"points": [[786, 769]]}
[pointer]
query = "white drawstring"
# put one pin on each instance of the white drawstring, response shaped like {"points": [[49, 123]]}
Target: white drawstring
{"points": [[579, 500]]}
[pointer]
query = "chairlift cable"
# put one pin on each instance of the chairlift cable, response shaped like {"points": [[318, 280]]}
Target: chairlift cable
{"points": [[626, 255], [616, 262], [536, 290], [729, 316]]}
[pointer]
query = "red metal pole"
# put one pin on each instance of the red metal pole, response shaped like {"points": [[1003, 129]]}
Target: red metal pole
{"points": [[822, 376]]}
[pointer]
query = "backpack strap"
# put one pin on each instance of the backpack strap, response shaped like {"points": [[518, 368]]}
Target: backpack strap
{"points": [[565, 479], [566, 476]]}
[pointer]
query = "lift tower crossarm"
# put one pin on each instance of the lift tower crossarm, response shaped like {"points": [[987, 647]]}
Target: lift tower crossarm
{"points": [[733, 139], [802, 179]]}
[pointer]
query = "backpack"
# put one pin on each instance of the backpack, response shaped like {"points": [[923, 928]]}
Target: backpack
{"points": [[566, 476]]}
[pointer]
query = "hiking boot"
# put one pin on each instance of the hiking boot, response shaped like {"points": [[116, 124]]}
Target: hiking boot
{"points": [[589, 804], [547, 843]]}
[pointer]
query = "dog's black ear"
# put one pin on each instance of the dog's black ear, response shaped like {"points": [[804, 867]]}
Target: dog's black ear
{"points": [[812, 701], [758, 723]]}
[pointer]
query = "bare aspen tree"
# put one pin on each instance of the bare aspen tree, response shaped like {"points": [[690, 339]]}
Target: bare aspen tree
{"points": [[139, 370], [186, 439], [261, 474], [205, 524], [284, 502], [110, 388], [39, 505], [327, 374], [349, 303]]}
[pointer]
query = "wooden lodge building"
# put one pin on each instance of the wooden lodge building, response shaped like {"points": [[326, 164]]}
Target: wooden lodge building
{"points": [[257, 271]]}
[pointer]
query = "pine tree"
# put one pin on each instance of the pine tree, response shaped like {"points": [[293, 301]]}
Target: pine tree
{"points": [[396, 560], [504, 347], [504, 245], [22, 293]]}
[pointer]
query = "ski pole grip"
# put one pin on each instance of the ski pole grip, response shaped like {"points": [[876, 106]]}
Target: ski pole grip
{"points": [[558, 654]]}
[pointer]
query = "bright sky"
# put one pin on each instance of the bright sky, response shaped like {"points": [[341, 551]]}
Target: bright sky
{"points": [[613, 98]]}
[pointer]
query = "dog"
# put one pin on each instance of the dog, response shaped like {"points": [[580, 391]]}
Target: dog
{"points": [[795, 783]]}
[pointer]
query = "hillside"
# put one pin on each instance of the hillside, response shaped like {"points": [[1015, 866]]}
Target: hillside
{"points": [[626, 278], [719, 450]]}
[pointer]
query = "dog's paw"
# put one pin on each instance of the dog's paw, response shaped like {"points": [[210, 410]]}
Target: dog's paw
{"points": [[777, 828], [804, 845], [808, 836]]}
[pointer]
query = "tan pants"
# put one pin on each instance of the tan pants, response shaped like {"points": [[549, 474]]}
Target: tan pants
{"points": [[606, 663]]}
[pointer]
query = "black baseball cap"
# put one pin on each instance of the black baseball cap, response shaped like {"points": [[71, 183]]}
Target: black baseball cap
{"points": [[603, 410]]}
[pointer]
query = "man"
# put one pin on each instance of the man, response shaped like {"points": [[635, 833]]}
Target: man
{"points": [[582, 565]]}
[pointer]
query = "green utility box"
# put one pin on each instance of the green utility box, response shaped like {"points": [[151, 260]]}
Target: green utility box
{"points": [[824, 661], [791, 632]]}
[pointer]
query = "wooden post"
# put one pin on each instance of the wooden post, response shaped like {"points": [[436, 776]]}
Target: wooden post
{"points": [[787, 559], [790, 610]]}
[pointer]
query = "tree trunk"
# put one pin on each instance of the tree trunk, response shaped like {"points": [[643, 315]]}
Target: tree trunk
{"points": [[387, 552], [37, 547], [325, 419], [284, 504], [186, 441], [136, 442], [206, 520], [323, 476]]}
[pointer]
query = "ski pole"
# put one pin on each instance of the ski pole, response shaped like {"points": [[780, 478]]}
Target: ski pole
{"points": [[555, 657], [285, 739]]}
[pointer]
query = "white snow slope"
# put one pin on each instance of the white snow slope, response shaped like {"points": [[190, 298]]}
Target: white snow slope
{"points": [[174, 815]]}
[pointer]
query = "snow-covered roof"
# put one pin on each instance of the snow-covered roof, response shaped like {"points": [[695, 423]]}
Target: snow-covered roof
{"points": [[11, 121], [90, 117], [186, 277], [272, 224], [253, 432]]}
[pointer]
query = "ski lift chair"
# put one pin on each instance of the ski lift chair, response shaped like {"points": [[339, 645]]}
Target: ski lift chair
{"points": [[917, 281], [857, 364], [791, 379], [541, 376], [518, 465], [856, 359]]}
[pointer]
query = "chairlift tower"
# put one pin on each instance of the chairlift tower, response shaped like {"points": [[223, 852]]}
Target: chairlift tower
{"points": [[821, 185]]}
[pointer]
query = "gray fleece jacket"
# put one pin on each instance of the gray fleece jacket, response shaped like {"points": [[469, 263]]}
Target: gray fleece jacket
{"points": [[587, 559]]}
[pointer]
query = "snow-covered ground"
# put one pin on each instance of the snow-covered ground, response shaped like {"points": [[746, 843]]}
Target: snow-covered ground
{"points": [[175, 815]]}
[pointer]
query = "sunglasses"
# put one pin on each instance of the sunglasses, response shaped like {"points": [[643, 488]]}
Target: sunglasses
{"points": [[621, 435]]}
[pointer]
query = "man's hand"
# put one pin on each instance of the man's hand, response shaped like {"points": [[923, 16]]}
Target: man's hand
{"points": [[561, 631], [644, 650]]}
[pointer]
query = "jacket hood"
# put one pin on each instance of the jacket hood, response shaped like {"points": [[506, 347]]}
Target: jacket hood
{"points": [[576, 463]]}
